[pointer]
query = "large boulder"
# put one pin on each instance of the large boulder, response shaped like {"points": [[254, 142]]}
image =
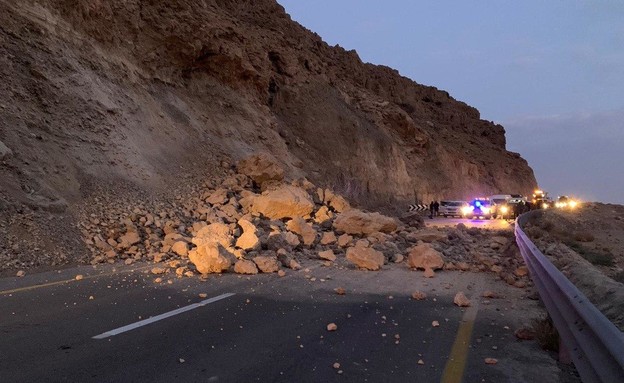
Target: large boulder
{"points": [[214, 233], [261, 167], [211, 258], [249, 239], [305, 230], [355, 221], [425, 257], [365, 257], [243, 266], [336, 201], [284, 202], [267, 264]]}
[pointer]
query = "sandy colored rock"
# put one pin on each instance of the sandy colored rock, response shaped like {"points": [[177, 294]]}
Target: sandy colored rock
{"points": [[340, 291], [327, 255], [158, 270], [355, 221], [243, 266], [491, 361], [425, 257], [291, 239], [344, 240], [284, 202], [305, 230], [210, 258], [214, 233], [281, 273], [129, 239], [180, 248], [332, 327], [365, 258], [435, 323], [328, 238], [418, 296], [336, 201], [79, 277], [261, 167], [266, 264], [323, 215], [461, 300], [218, 197], [249, 239], [521, 271]]}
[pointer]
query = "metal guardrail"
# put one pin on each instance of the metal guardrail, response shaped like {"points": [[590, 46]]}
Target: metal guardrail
{"points": [[595, 345]]}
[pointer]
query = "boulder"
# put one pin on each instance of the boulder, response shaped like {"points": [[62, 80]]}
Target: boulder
{"points": [[461, 300], [344, 240], [180, 248], [284, 202], [249, 239], [355, 221], [323, 215], [243, 266], [328, 238], [210, 258], [365, 258], [521, 271], [214, 233], [261, 167], [425, 257], [305, 230], [327, 255], [266, 264], [129, 239], [218, 197], [335, 201]]}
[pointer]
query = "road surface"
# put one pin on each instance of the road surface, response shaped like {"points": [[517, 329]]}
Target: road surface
{"points": [[491, 224], [265, 328]]}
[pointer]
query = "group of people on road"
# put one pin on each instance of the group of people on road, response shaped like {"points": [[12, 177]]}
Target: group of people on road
{"points": [[434, 208]]}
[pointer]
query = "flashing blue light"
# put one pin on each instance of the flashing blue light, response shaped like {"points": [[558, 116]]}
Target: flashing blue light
{"points": [[478, 203]]}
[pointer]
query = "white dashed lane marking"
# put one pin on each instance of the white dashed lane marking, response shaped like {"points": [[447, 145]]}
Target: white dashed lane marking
{"points": [[157, 318]]}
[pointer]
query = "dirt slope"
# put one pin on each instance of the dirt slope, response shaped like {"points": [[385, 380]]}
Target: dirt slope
{"points": [[136, 100]]}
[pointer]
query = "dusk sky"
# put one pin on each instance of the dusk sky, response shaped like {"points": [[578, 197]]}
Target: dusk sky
{"points": [[550, 72]]}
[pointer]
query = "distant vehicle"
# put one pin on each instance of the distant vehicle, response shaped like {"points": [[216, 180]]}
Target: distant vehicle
{"points": [[513, 208], [564, 202], [452, 208], [498, 202], [541, 200], [478, 208]]}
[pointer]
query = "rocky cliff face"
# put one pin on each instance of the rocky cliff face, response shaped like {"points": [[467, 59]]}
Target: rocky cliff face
{"points": [[150, 95]]}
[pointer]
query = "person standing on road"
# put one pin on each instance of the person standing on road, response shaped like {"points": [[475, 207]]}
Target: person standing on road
{"points": [[431, 208], [436, 208]]}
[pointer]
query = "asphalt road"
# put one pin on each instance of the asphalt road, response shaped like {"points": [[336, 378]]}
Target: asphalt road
{"points": [[490, 224], [273, 329]]}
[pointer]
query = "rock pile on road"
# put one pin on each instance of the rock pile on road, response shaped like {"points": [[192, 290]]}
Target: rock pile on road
{"points": [[255, 222]]}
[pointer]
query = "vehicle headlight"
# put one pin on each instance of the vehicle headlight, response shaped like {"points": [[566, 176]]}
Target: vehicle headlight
{"points": [[573, 204], [544, 205], [504, 209], [467, 209], [485, 210]]}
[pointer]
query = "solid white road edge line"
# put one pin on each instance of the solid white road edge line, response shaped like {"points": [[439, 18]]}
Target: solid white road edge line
{"points": [[147, 321]]}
